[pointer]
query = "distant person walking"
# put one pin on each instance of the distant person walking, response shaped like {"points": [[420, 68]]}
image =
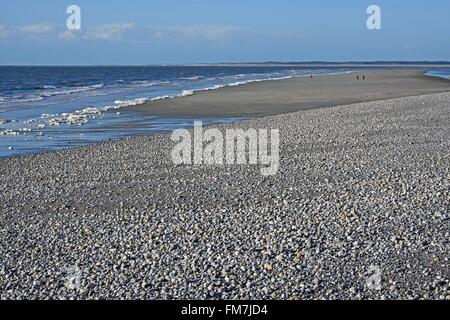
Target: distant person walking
{"points": [[364, 77], [357, 77]]}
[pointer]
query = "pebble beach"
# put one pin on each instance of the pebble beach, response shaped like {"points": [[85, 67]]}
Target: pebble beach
{"points": [[362, 194]]}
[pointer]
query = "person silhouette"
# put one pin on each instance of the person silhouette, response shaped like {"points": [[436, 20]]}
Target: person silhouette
{"points": [[364, 77], [357, 77]]}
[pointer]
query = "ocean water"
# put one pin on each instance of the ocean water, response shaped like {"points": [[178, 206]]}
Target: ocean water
{"points": [[53, 108], [440, 73]]}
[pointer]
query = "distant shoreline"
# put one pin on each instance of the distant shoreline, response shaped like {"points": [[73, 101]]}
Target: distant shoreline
{"points": [[321, 65], [380, 64]]}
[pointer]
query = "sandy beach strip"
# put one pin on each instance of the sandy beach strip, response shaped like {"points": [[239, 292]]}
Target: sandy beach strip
{"points": [[296, 94]]}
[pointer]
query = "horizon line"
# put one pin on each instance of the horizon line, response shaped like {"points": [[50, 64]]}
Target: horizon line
{"points": [[317, 62]]}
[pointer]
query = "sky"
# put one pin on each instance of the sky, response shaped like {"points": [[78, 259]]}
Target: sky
{"points": [[137, 32]]}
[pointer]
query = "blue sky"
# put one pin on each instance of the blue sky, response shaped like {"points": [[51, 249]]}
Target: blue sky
{"points": [[195, 31]]}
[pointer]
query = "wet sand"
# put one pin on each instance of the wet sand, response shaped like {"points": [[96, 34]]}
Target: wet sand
{"points": [[290, 95]]}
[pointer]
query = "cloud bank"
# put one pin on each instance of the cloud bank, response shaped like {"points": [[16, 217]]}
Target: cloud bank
{"points": [[122, 31], [41, 28]]}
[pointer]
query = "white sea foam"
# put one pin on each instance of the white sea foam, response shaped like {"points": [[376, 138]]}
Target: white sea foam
{"points": [[162, 97], [217, 86], [127, 103], [186, 93], [79, 117], [26, 99], [48, 115], [139, 101], [9, 133], [71, 90], [194, 78], [45, 87], [148, 83]]}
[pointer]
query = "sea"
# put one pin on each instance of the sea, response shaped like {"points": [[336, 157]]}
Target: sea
{"points": [[46, 109]]}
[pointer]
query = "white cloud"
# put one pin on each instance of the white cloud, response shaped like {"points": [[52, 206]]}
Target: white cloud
{"points": [[190, 33], [143, 34], [108, 31], [68, 35], [212, 33], [39, 28], [124, 31]]}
